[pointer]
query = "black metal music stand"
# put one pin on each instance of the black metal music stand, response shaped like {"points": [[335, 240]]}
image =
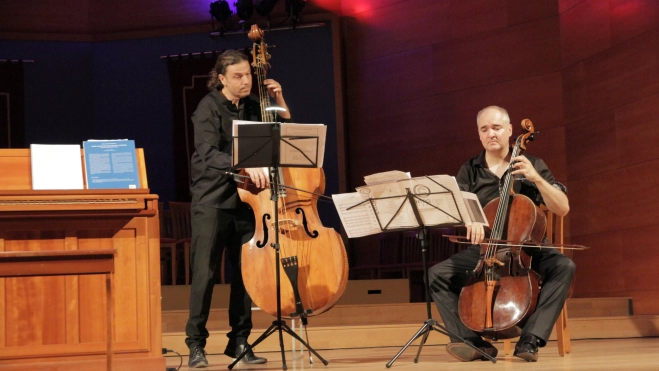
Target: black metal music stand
{"points": [[429, 324], [260, 147]]}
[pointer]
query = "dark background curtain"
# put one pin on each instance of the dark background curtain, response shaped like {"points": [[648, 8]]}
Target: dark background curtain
{"points": [[12, 117], [187, 76]]}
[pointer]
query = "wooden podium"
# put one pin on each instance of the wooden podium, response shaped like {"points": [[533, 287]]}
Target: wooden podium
{"points": [[59, 323]]}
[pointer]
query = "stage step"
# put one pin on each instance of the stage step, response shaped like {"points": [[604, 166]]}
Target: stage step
{"points": [[388, 314], [367, 336], [377, 313]]}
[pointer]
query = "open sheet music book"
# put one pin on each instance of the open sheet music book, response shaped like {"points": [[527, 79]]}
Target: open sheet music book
{"points": [[385, 206]]}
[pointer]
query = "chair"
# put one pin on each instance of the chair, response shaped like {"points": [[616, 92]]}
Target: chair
{"points": [[181, 231], [554, 234], [390, 255], [167, 245]]}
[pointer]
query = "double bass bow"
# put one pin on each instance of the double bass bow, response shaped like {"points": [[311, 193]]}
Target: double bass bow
{"points": [[501, 293], [312, 256]]}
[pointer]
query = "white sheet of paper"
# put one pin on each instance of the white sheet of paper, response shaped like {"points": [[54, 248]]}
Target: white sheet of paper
{"points": [[359, 221], [56, 166]]}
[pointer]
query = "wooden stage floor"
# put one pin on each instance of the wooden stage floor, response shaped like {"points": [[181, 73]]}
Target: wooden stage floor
{"points": [[596, 355]]}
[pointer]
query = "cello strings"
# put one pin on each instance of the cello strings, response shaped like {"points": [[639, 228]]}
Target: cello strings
{"points": [[497, 230]]}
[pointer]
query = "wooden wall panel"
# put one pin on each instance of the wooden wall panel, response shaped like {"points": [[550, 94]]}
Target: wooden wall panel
{"points": [[617, 76], [522, 11], [565, 5], [392, 27], [620, 263], [636, 132], [632, 18], [508, 54], [585, 31], [382, 31], [591, 145], [618, 199]]}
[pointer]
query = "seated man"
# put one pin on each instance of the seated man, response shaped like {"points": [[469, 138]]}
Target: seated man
{"points": [[482, 175]]}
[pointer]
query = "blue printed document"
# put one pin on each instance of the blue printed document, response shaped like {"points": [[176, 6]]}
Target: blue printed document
{"points": [[111, 164]]}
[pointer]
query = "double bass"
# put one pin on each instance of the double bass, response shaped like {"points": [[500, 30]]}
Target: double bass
{"points": [[312, 256], [501, 293]]}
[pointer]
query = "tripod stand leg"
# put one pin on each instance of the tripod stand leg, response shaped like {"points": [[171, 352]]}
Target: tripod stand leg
{"points": [[281, 346], [422, 331], [298, 338], [423, 341]]}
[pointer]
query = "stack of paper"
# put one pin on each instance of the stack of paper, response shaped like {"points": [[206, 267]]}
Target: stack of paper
{"points": [[388, 206], [389, 176]]}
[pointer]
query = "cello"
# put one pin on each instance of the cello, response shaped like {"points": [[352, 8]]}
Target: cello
{"points": [[312, 256], [501, 293]]}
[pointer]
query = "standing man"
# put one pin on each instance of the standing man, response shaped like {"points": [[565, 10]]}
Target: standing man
{"points": [[219, 219], [482, 175]]}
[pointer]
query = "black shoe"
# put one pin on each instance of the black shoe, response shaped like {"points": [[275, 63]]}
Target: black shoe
{"points": [[240, 344], [465, 353], [527, 348], [197, 357]]}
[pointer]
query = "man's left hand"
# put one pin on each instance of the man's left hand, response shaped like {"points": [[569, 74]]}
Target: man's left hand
{"points": [[522, 165], [274, 88]]}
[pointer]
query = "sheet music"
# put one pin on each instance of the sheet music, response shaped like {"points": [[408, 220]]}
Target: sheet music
{"points": [[359, 221], [390, 204], [438, 199], [309, 146], [469, 214]]}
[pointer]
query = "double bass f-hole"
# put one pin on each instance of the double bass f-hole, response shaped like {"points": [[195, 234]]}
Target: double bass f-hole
{"points": [[300, 210]]}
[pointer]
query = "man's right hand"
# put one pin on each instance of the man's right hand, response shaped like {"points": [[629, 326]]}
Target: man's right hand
{"points": [[475, 233], [259, 176]]}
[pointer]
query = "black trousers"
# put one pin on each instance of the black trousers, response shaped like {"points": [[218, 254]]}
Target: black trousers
{"points": [[213, 230], [447, 279]]}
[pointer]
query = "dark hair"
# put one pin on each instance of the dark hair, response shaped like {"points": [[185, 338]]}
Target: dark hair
{"points": [[224, 60]]}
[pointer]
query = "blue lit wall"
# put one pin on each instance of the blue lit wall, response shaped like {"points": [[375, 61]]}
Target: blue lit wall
{"points": [[120, 89]]}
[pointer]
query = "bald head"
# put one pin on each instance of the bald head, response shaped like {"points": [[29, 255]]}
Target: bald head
{"points": [[494, 128], [494, 110]]}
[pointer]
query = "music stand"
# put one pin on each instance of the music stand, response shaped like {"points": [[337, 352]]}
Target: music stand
{"points": [[260, 146], [429, 324]]}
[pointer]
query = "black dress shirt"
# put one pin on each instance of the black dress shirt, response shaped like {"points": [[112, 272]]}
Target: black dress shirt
{"points": [[475, 177], [213, 120]]}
